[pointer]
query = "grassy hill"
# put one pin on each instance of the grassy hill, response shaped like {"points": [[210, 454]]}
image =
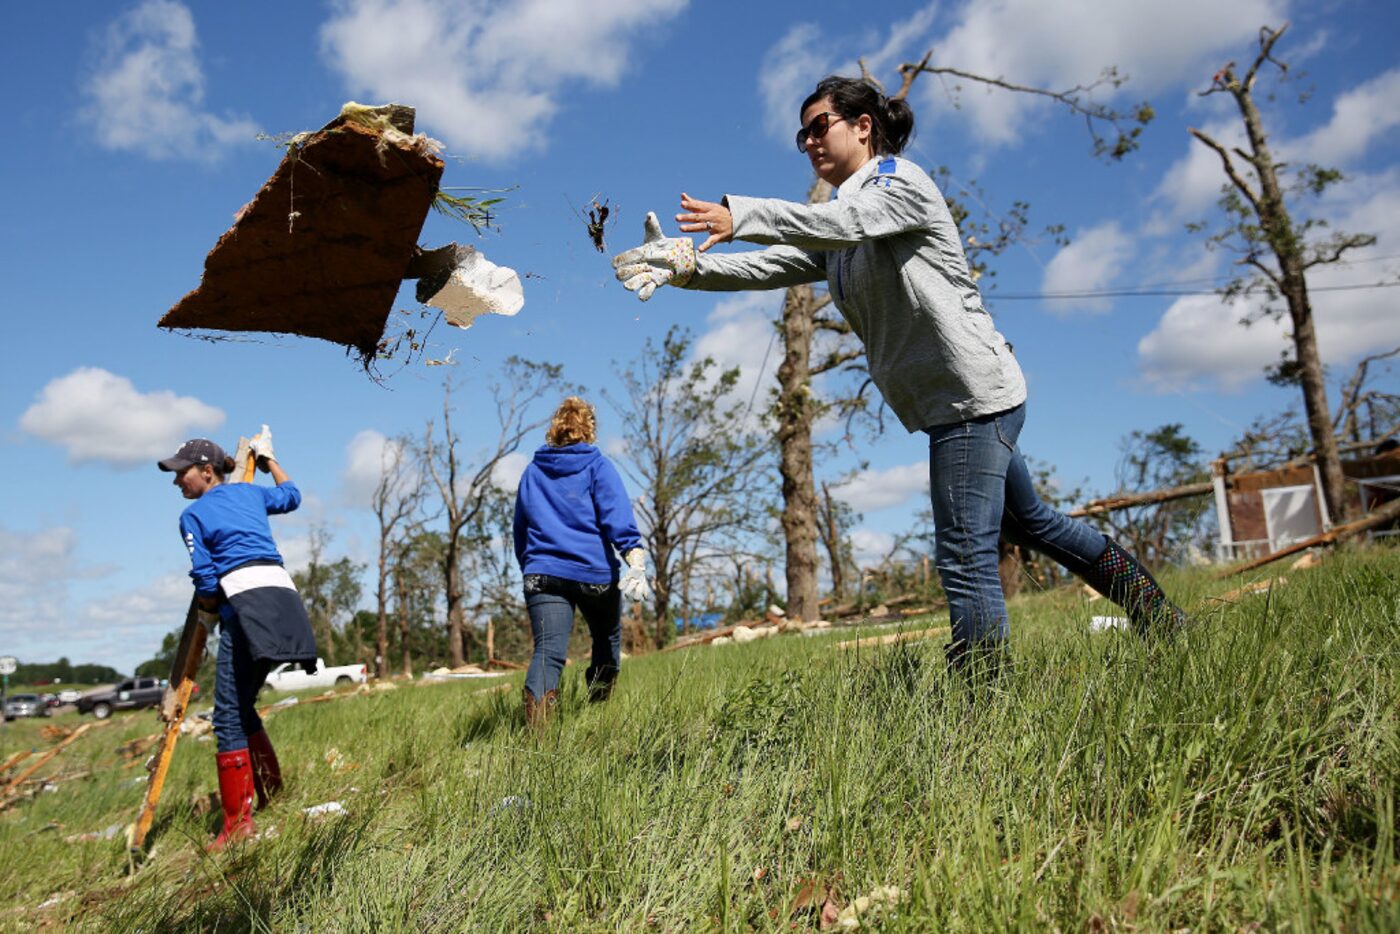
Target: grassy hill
{"points": [[1243, 774]]}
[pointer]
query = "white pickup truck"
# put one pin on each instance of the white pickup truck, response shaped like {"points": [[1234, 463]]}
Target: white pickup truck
{"points": [[289, 676]]}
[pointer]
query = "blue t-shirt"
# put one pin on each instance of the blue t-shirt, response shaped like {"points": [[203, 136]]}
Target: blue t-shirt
{"points": [[227, 527], [571, 511]]}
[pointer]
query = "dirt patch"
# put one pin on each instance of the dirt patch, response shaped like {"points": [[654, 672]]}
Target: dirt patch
{"points": [[323, 247]]}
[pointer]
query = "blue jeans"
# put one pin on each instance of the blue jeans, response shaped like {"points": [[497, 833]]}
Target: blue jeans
{"points": [[237, 679], [551, 602], [981, 490]]}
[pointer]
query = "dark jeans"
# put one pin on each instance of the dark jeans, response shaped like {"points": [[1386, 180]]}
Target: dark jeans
{"points": [[551, 602], [981, 490], [237, 679]]}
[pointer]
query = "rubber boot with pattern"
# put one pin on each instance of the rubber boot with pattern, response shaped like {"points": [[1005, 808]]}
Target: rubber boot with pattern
{"points": [[1119, 577]]}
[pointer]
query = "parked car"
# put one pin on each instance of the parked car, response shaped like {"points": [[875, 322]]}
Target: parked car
{"points": [[69, 696], [289, 676], [25, 705], [131, 694]]}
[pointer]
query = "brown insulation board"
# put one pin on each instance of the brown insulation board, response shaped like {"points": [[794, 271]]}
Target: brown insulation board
{"points": [[322, 248]]}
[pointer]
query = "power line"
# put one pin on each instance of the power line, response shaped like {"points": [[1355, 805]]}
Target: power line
{"points": [[1156, 292]]}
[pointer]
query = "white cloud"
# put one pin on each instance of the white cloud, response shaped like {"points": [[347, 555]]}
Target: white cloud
{"points": [[1092, 261], [870, 547], [506, 474], [1064, 44], [1192, 184], [741, 334], [146, 93], [1198, 341], [1359, 118], [881, 489], [487, 75], [99, 416], [39, 620], [803, 56], [790, 69], [367, 456]]}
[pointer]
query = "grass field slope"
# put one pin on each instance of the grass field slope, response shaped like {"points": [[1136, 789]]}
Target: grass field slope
{"points": [[1242, 776]]}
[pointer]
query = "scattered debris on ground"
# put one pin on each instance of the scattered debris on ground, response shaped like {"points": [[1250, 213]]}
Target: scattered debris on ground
{"points": [[1106, 623], [329, 809], [1249, 590]]}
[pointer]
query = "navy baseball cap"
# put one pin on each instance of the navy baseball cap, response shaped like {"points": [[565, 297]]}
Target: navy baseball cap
{"points": [[194, 451]]}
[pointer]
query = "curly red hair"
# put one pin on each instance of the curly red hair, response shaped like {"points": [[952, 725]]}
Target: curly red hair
{"points": [[574, 422]]}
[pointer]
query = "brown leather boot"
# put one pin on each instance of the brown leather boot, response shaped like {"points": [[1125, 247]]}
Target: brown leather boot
{"points": [[537, 712]]}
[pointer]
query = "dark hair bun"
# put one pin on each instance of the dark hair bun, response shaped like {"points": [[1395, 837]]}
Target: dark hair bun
{"points": [[898, 125]]}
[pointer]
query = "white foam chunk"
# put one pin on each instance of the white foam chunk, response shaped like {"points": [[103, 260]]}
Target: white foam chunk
{"points": [[479, 287]]}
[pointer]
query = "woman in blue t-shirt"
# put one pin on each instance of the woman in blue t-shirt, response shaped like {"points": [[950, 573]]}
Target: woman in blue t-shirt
{"points": [[241, 585], [572, 517]]}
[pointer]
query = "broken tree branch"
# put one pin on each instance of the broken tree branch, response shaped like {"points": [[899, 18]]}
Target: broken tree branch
{"points": [[1127, 500]]}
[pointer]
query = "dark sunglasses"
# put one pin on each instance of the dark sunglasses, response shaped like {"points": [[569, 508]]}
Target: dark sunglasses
{"points": [[815, 129]]}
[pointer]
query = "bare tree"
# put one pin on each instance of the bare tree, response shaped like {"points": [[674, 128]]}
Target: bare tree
{"points": [[1382, 408], [465, 487], [398, 495], [806, 314], [837, 519], [1276, 251], [689, 450]]}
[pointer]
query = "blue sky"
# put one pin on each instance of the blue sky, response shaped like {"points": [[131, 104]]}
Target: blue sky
{"points": [[132, 142]]}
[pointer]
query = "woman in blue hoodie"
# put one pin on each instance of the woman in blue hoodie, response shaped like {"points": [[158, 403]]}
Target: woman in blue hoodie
{"points": [[572, 518]]}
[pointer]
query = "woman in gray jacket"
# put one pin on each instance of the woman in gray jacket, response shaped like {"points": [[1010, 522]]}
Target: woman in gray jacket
{"points": [[890, 253]]}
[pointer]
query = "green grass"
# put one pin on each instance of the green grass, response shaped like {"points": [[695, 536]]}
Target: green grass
{"points": [[1243, 774]]}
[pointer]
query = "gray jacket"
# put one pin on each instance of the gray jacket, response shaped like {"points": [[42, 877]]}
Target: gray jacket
{"points": [[891, 256]]}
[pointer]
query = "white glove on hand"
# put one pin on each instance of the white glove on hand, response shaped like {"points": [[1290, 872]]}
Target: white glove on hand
{"points": [[261, 445], [634, 584], [661, 260], [208, 619]]}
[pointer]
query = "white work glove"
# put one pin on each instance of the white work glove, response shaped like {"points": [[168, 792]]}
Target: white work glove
{"points": [[261, 445], [661, 260], [633, 583], [208, 619]]}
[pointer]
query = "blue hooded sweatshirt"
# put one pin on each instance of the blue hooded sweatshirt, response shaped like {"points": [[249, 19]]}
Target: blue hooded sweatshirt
{"points": [[571, 512]]}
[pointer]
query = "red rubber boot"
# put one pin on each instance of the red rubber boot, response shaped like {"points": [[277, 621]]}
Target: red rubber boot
{"points": [[236, 796], [267, 773]]}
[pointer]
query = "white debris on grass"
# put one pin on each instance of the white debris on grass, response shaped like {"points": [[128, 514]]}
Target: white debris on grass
{"points": [[510, 803], [329, 809], [1105, 623], [106, 833], [478, 287], [870, 909]]}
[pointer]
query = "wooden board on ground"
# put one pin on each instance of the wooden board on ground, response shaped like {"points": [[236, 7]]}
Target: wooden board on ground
{"points": [[910, 635]]}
